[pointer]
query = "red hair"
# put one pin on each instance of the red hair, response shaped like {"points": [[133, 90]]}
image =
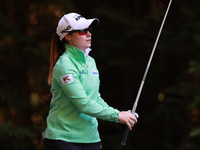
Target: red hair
{"points": [[57, 48]]}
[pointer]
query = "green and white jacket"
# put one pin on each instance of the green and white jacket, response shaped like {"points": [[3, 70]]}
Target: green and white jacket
{"points": [[76, 101]]}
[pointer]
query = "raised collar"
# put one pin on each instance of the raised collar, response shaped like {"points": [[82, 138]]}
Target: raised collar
{"points": [[87, 52], [76, 53]]}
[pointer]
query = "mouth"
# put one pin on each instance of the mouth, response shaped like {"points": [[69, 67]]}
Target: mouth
{"points": [[89, 40]]}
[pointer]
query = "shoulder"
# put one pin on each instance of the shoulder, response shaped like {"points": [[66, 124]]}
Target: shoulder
{"points": [[64, 61], [64, 65]]}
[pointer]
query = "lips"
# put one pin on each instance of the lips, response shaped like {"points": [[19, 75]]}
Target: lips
{"points": [[89, 40]]}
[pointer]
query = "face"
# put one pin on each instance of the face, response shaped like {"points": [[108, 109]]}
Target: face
{"points": [[82, 42]]}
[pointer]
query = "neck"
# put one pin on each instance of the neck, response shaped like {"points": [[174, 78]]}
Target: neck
{"points": [[83, 50]]}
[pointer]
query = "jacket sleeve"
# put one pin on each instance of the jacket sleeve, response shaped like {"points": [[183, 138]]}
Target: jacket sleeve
{"points": [[69, 82], [101, 101]]}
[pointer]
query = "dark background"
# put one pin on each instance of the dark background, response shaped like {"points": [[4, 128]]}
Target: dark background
{"points": [[122, 43]]}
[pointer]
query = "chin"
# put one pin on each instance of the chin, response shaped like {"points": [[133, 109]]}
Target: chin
{"points": [[89, 45]]}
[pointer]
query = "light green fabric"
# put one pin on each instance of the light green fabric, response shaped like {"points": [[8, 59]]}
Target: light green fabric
{"points": [[76, 102]]}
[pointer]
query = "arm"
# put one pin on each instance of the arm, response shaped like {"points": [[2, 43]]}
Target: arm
{"points": [[76, 93], [101, 101]]}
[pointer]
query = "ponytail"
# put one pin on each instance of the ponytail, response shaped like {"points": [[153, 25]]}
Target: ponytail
{"points": [[56, 50]]}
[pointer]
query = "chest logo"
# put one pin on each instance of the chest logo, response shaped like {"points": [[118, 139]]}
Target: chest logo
{"points": [[83, 72], [94, 72]]}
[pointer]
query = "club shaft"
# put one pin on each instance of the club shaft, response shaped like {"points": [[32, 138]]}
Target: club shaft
{"points": [[123, 142]]}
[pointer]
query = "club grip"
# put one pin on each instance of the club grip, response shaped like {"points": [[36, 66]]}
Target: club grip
{"points": [[123, 142]]}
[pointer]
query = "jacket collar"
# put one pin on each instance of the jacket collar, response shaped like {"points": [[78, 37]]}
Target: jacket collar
{"points": [[76, 53]]}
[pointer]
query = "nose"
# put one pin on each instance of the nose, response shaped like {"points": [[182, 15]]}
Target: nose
{"points": [[88, 34]]}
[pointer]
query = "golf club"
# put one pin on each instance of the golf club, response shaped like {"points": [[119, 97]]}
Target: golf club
{"points": [[123, 142]]}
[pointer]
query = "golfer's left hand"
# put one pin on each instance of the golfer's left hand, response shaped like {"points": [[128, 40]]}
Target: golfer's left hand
{"points": [[128, 118]]}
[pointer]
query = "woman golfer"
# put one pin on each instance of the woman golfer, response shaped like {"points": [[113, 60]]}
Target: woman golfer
{"points": [[76, 102]]}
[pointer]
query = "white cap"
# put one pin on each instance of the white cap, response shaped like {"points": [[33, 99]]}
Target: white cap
{"points": [[74, 21]]}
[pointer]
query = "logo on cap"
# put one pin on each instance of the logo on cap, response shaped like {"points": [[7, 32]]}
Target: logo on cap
{"points": [[77, 18], [66, 29]]}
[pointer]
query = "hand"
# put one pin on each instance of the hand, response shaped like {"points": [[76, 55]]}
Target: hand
{"points": [[128, 118]]}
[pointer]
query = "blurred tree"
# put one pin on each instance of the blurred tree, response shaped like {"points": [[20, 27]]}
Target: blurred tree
{"points": [[170, 101], [24, 93]]}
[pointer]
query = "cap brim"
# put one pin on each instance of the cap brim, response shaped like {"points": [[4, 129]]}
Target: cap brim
{"points": [[95, 22], [87, 23]]}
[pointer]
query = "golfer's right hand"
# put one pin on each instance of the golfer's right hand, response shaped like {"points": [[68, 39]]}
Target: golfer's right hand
{"points": [[128, 118]]}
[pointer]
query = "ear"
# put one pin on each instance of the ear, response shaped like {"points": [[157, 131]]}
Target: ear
{"points": [[67, 37]]}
